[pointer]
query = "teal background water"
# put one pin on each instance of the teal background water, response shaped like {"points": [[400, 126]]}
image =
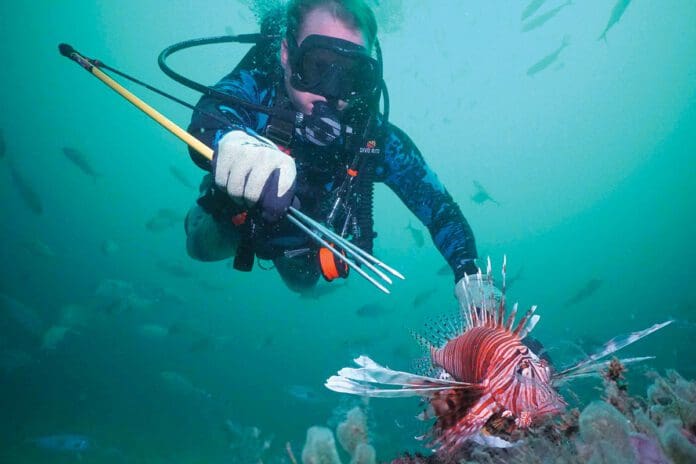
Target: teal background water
{"points": [[591, 160]]}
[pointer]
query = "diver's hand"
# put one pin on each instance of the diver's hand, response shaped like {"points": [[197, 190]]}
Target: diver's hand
{"points": [[253, 171]]}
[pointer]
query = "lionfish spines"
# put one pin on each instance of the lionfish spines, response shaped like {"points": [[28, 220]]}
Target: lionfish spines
{"points": [[486, 305]]}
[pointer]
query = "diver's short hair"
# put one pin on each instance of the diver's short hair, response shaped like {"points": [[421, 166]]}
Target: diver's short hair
{"points": [[356, 13]]}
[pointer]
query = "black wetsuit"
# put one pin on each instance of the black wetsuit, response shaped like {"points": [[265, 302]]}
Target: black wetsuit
{"points": [[400, 166]]}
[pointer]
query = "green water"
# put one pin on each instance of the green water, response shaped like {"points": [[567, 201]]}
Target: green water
{"points": [[591, 159]]}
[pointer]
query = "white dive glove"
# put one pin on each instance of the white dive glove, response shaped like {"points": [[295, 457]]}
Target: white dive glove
{"points": [[481, 294], [254, 172]]}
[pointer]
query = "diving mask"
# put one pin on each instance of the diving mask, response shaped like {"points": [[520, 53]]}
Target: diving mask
{"points": [[333, 68]]}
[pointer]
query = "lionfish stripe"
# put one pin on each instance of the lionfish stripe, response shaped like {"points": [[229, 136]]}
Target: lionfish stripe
{"points": [[614, 345]]}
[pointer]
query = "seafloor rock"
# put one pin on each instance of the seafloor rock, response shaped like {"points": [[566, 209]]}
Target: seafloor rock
{"points": [[605, 435]]}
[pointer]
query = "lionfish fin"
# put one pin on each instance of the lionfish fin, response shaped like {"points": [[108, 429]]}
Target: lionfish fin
{"points": [[511, 318], [523, 322], [612, 346], [595, 369], [530, 326], [501, 306], [374, 380]]}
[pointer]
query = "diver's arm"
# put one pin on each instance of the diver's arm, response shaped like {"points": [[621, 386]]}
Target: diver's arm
{"points": [[407, 174], [243, 84]]}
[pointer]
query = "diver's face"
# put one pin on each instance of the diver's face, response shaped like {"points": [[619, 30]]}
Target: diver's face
{"points": [[321, 22]]}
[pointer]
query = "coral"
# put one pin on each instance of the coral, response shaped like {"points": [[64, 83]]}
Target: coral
{"points": [[616, 387], [676, 443], [320, 447], [363, 454], [352, 431]]}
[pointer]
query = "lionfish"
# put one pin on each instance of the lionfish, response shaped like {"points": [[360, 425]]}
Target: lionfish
{"points": [[481, 371]]}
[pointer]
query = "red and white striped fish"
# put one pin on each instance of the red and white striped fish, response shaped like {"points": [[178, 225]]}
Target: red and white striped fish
{"points": [[481, 371]]}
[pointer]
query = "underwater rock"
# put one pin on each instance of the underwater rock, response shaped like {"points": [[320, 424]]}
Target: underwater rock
{"points": [[320, 447], [605, 434], [676, 444]]}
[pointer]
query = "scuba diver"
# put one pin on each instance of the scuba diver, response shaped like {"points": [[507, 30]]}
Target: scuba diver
{"points": [[323, 159]]}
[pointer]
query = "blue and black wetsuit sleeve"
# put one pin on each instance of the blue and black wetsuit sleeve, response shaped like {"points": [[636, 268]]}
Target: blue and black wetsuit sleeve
{"points": [[404, 171], [244, 84]]}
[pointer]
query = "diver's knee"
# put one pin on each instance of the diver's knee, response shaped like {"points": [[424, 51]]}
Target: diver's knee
{"points": [[300, 274], [206, 238]]}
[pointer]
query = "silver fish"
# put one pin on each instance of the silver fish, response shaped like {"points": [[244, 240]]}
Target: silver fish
{"points": [[616, 14], [585, 292], [540, 20], [179, 174], [481, 196], [549, 59], [165, 218], [79, 160], [26, 192], [533, 6]]}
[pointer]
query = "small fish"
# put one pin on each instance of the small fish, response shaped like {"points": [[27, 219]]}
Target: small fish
{"points": [[54, 336], [180, 176], [303, 393], [585, 292], [531, 8], [204, 343], [483, 378], [371, 310], [26, 192], [616, 14], [175, 269], [179, 384], [543, 18], [109, 247], [165, 218], [546, 61], [80, 160], [423, 296], [229, 30], [444, 270], [481, 196], [417, 235], [39, 249], [67, 443], [510, 281]]}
